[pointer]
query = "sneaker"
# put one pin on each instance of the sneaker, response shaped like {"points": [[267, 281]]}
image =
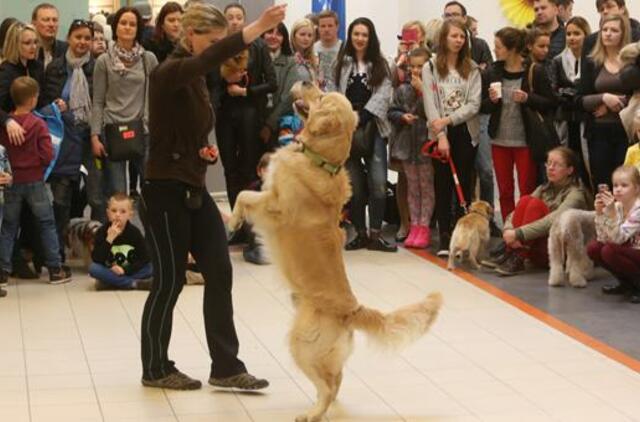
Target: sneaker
{"points": [[102, 286], [244, 381], [380, 244], [443, 247], [423, 239], [617, 289], [512, 266], [59, 275], [409, 242], [143, 283], [175, 381], [254, 255], [403, 234], [4, 278], [3, 292], [23, 271], [359, 242], [494, 263]]}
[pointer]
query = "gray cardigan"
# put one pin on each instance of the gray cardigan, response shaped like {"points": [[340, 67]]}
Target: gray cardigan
{"points": [[380, 100], [120, 98], [467, 113]]}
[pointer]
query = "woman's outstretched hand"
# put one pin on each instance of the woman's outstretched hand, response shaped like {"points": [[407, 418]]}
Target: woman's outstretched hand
{"points": [[269, 19]]}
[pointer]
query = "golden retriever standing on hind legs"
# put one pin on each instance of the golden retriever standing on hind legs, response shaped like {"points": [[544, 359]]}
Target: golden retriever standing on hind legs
{"points": [[298, 212]]}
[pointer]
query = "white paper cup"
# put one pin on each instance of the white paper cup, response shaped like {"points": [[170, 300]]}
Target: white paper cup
{"points": [[497, 86]]}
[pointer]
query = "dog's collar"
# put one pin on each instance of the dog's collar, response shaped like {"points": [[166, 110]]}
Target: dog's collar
{"points": [[320, 161]]}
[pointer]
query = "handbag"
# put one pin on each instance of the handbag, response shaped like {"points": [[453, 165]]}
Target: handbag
{"points": [[125, 141], [362, 140], [540, 132]]}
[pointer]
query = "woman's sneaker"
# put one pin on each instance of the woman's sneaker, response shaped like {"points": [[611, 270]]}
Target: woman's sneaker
{"points": [[244, 381], [59, 275], [174, 381], [514, 265]]}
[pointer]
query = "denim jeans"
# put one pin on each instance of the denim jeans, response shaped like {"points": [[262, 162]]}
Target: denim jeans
{"points": [[369, 184], [116, 172], [36, 196], [105, 275], [484, 162]]}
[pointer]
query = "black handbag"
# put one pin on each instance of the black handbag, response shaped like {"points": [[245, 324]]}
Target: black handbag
{"points": [[540, 132], [126, 141], [362, 140]]}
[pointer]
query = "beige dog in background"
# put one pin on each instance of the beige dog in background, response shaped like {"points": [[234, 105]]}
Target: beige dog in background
{"points": [[471, 234], [298, 213]]}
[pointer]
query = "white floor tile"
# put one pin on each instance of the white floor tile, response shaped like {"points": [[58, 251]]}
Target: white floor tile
{"points": [[482, 361]]}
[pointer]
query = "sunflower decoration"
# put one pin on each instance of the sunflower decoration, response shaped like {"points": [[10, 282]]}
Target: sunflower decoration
{"points": [[518, 12]]}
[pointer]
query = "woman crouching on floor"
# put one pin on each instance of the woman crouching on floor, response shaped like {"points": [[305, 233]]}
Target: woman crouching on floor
{"points": [[527, 227], [617, 247]]}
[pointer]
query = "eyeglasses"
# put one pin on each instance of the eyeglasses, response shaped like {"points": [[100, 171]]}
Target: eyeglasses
{"points": [[554, 164]]}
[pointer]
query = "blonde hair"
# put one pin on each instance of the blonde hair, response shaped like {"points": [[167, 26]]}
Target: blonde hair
{"points": [[432, 33], [202, 18], [11, 48], [298, 25], [120, 197], [599, 52], [631, 172], [636, 126], [629, 53]]}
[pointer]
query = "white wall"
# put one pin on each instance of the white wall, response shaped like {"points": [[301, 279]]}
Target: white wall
{"points": [[389, 15]]}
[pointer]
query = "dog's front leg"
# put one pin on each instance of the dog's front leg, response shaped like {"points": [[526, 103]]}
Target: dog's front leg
{"points": [[253, 206]]}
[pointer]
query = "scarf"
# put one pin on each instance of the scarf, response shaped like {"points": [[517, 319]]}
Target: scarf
{"points": [[123, 59], [570, 65], [79, 96]]}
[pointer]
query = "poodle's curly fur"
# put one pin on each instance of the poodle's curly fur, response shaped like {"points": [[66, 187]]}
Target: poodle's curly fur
{"points": [[568, 238]]}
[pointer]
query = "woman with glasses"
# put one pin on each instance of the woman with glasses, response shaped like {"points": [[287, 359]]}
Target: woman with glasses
{"points": [[19, 53], [527, 227], [120, 91], [68, 82], [166, 32]]}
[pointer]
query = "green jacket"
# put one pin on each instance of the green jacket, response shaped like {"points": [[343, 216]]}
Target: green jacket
{"points": [[558, 199], [281, 104]]}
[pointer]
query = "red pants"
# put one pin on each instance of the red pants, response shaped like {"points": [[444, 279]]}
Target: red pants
{"points": [[504, 160], [620, 260], [528, 210]]}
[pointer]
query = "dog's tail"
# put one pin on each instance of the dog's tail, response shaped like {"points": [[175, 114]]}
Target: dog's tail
{"points": [[399, 327]]}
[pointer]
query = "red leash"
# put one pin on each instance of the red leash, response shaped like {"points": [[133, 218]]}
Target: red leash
{"points": [[430, 149]]}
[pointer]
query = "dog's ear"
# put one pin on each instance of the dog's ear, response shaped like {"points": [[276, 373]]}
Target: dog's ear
{"points": [[323, 120]]}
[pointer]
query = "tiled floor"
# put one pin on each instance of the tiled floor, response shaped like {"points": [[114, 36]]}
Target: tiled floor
{"points": [[70, 353]]}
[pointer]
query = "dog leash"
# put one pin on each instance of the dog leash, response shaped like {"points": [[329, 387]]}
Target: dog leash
{"points": [[430, 149]]}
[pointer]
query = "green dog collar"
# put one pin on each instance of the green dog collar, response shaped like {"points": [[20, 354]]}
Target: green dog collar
{"points": [[320, 161]]}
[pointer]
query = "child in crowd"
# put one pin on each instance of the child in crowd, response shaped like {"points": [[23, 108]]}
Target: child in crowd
{"points": [[408, 136], [5, 179], [29, 161], [633, 153], [120, 259], [254, 252], [617, 247]]}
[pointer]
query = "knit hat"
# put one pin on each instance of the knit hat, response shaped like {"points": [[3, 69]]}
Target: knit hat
{"points": [[144, 8]]}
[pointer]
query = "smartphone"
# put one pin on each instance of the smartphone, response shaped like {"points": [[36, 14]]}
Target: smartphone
{"points": [[603, 187]]}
